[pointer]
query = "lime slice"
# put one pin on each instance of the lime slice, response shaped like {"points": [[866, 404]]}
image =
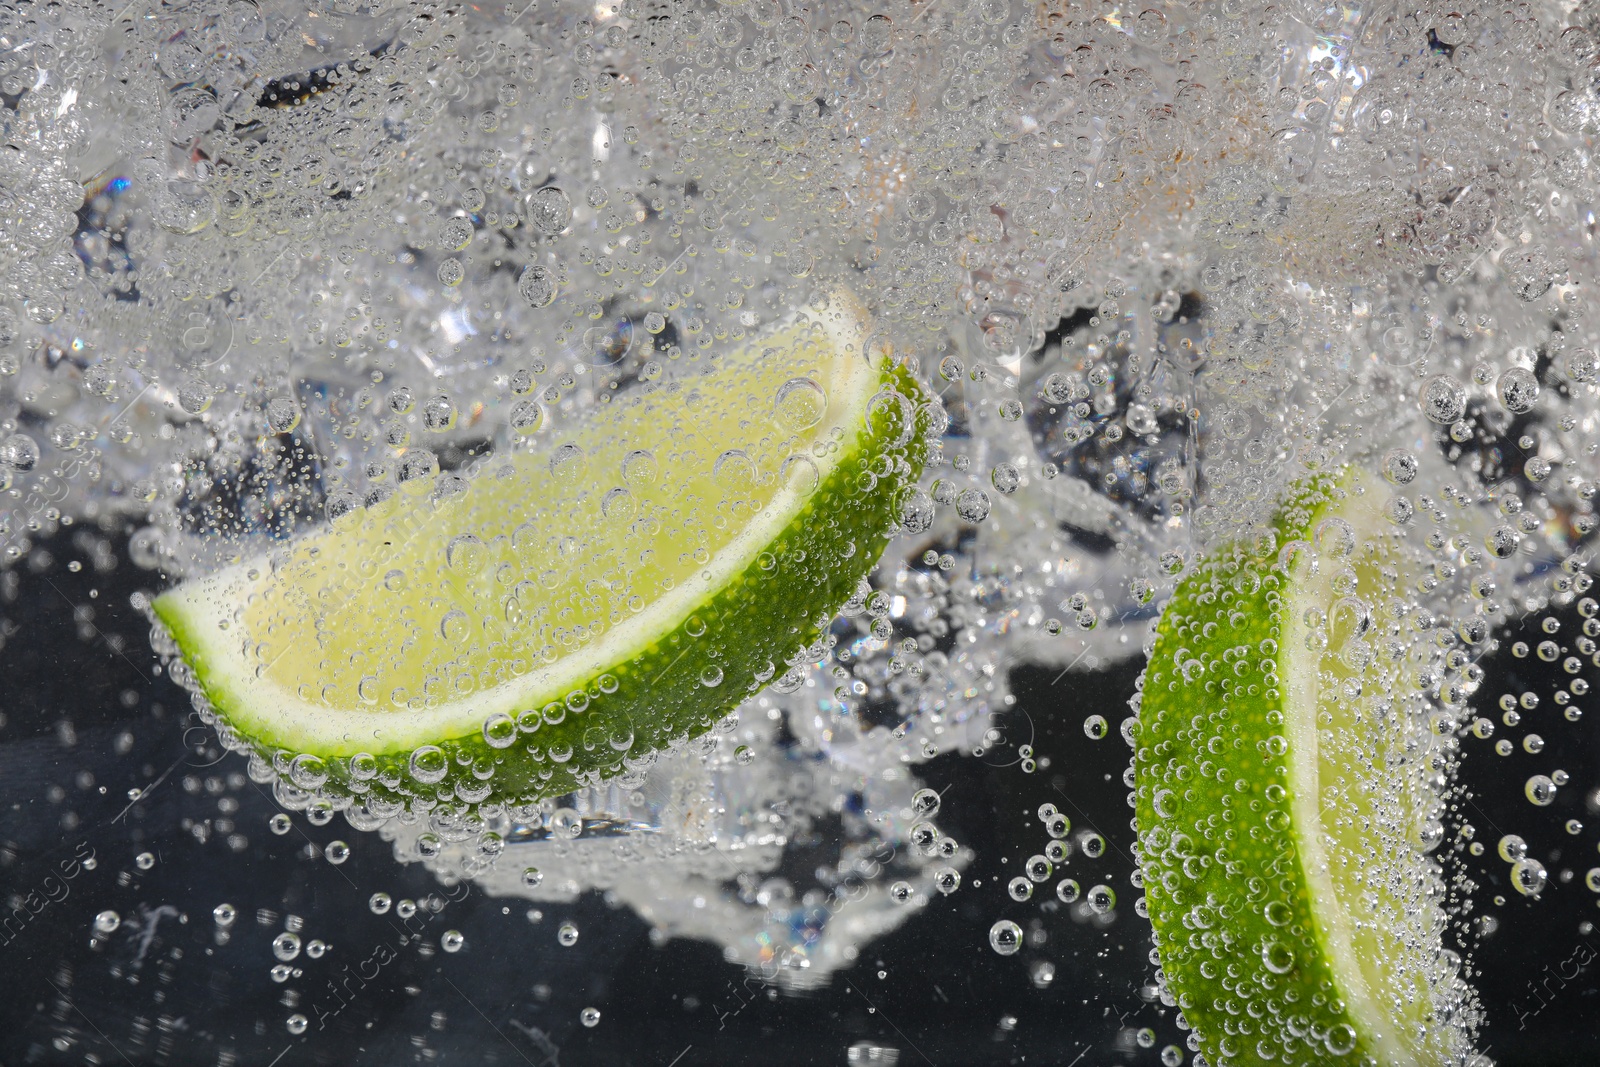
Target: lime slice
{"points": [[559, 613], [1286, 801]]}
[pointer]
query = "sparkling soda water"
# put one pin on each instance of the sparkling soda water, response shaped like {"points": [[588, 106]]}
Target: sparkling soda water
{"points": [[1154, 270]]}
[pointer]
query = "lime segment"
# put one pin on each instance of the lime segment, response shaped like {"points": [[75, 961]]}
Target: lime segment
{"points": [[1287, 799], [535, 623]]}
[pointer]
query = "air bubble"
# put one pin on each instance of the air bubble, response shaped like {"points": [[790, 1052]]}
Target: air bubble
{"points": [[567, 463], [1528, 877], [549, 209], [466, 554], [972, 505], [1005, 937], [308, 772], [1443, 399], [734, 471], [439, 414], [286, 946], [194, 396], [566, 823], [800, 404], [537, 284], [417, 468], [428, 764], [527, 417], [1518, 390], [618, 505], [500, 730], [455, 234], [1540, 790], [283, 415], [1276, 956]]}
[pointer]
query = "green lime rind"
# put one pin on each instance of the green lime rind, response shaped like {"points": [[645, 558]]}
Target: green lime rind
{"points": [[1264, 936], [1256, 873], [671, 690]]}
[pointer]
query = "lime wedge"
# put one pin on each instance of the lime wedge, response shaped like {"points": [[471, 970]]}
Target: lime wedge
{"points": [[560, 613], [1286, 801]]}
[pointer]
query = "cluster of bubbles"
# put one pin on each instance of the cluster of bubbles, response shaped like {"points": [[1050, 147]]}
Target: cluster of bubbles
{"points": [[696, 842], [263, 265], [1006, 937]]}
